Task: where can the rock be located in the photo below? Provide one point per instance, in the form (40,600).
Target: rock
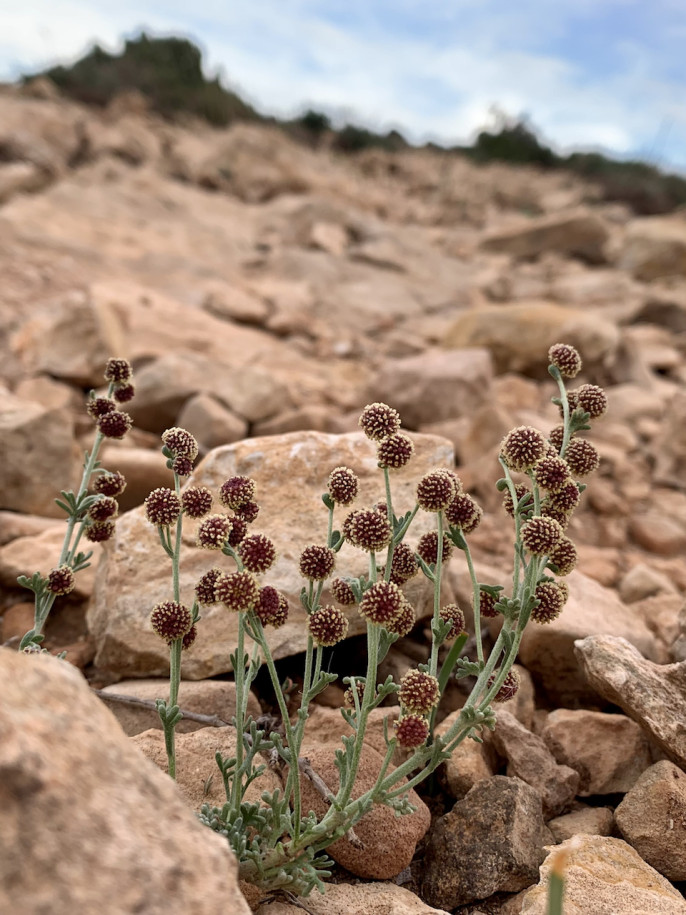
(651,694)
(40,553)
(652,818)
(231,302)
(655,248)
(389,841)
(206,697)
(211,422)
(36,455)
(528,758)
(291,473)
(435,386)
(643,581)
(197,774)
(16,622)
(308,418)
(470,763)
(658,534)
(611,874)
(13,525)
(518,335)
(548,651)
(593,821)
(21,178)
(670,445)
(54,395)
(329,237)
(489,842)
(65,763)
(325,726)
(582,234)
(359,899)
(608,751)
(143,469)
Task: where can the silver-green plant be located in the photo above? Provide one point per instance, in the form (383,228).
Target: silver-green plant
(278,844)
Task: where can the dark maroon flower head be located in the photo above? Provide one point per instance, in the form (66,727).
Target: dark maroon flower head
(556,437)
(204,590)
(180,442)
(427,548)
(367,529)
(382,603)
(411,731)
(282,615)
(268,604)
(464,513)
(114,424)
(509,688)
(99,406)
(565,499)
(592,399)
(196,501)
(257,553)
(171,620)
(395,451)
(404,566)
(419,692)
(342,592)
(188,639)
(521,489)
(435,491)
(110,483)
(552,472)
(317,562)
(60,581)
(565,358)
(403,624)
(100,531)
(248,511)
(540,535)
(522,448)
(487,604)
(343,485)
(238,591)
(118,370)
(239,528)
(327,626)
(551,599)
(213,532)
(182,465)
(123,393)
(378,421)
(452,614)
(349,695)
(104,509)
(237,491)
(563,556)
(162,506)
(582,457)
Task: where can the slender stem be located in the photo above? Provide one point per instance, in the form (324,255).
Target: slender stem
(476,603)
(433,662)
(449,662)
(390,516)
(174,678)
(372,567)
(329,530)
(239,678)
(565,411)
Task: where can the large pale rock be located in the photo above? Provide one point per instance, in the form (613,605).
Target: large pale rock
(548,651)
(490,842)
(608,751)
(40,553)
(211,422)
(651,694)
(36,455)
(116,836)
(143,470)
(360,899)
(291,472)
(605,876)
(436,385)
(470,762)
(594,821)
(518,336)
(580,233)
(652,818)
(655,248)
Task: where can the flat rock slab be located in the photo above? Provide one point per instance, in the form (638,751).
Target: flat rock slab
(291,472)
(361,899)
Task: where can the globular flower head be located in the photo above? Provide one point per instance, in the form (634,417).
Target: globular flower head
(464,513)
(509,687)
(213,532)
(522,490)
(551,601)
(419,692)
(248,511)
(382,603)
(435,491)
(170,620)
(180,442)
(60,581)
(378,421)
(548,510)
(342,592)
(343,485)
(427,548)
(238,591)
(452,614)
(99,406)
(123,393)
(114,424)
(349,695)
(582,457)
(327,626)
(267,606)
(367,529)
(591,399)
(188,639)
(239,529)
(182,465)
(522,448)
(539,535)
(395,451)
(487,602)
(282,614)
(104,509)
(317,562)
(237,491)
(204,590)
(118,370)
(100,531)
(403,624)
(162,506)
(563,556)
(196,501)
(564,590)
(565,499)
(565,358)
(403,565)
(257,553)
(411,731)
(556,437)
(110,483)
(552,472)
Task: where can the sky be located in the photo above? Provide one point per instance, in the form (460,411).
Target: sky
(608,74)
